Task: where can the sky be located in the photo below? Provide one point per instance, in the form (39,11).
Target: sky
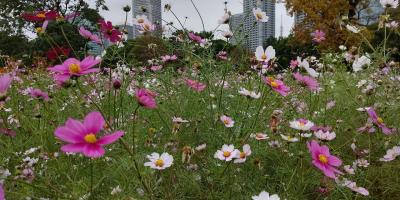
(211,11)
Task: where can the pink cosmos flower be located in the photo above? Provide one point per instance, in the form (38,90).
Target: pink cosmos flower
(223,55)
(227,153)
(73,67)
(378,121)
(318,36)
(243,154)
(294,64)
(40,16)
(156,68)
(227,121)
(196,85)
(109,32)
(147,27)
(323,160)
(196,38)
(5,82)
(368,127)
(82,137)
(146,98)
(167,58)
(277,85)
(2,196)
(88,35)
(38,94)
(307,81)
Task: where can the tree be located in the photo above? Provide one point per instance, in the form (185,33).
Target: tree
(326,16)
(11,10)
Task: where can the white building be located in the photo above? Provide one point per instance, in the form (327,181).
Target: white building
(150,8)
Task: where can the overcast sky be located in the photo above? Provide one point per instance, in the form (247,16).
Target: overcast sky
(211,11)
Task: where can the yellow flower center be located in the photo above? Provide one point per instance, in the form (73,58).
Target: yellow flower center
(323,158)
(140,21)
(242,155)
(39,30)
(74,68)
(41,15)
(259,16)
(159,163)
(301,124)
(90,138)
(226,121)
(227,154)
(380,120)
(274,84)
(263,56)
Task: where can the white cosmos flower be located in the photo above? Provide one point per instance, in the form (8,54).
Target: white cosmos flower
(227,153)
(227,34)
(259,136)
(265,56)
(360,62)
(159,162)
(301,124)
(265,196)
(306,135)
(289,138)
(140,19)
(179,120)
(248,93)
(224,19)
(304,63)
(260,15)
(325,135)
(391,154)
(390,3)
(352,28)
(243,154)
(228,122)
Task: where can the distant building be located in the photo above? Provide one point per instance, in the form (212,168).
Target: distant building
(150,8)
(299,17)
(235,24)
(258,32)
(371,14)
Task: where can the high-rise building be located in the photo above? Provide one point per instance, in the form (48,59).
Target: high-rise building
(258,32)
(299,17)
(371,13)
(236,26)
(150,8)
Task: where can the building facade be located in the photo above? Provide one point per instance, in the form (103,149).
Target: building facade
(236,26)
(150,8)
(258,32)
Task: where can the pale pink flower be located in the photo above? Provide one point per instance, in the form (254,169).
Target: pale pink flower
(159,162)
(307,81)
(146,98)
(196,85)
(277,85)
(227,121)
(243,154)
(227,153)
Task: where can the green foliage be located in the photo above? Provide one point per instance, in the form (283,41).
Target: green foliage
(14,45)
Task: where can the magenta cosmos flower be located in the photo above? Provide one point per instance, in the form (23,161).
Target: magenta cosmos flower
(378,121)
(5,82)
(73,67)
(323,160)
(2,192)
(146,98)
(196,85)
(318,36)
(307,81)
(84,137)
(109,32)
(196,38)
(38,94)
(277,85)
(89,35)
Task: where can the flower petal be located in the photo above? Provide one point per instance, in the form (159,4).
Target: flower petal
(93,150)
(94,122)
(108,139)
(76,148)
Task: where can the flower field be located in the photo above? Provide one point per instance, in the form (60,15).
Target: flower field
(193,123)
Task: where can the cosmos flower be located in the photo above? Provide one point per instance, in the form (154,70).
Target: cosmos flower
(146,98)
(289,138)
(109,32)
(5,82)
(196,85)
(301,124)
(147,27)
(73,67)
(306,65)
(159,162)
(259,136)
(2,196)
(227,153)
(224,19)
(227,121)
(360,62)
(196,38)
(227,34)
(323,160)
(265,56)
(243,154)
(88,35)
(352,28)
(251,94)
(277,85)
(223,55)
(391,154)
(325,135)
(53,53)
(265,196)
(140,19)
(378,121)
(318,36)
(352,186)
(260,15)
(83,137)
(390,3)
(307,81)
(294,64)
(38,94)
(179,120)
